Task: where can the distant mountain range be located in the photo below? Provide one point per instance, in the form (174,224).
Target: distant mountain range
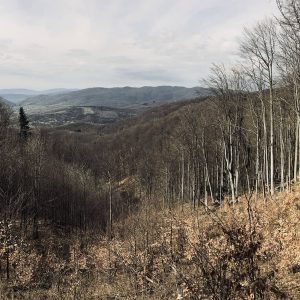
(19,95)
(125,97)
(95,105)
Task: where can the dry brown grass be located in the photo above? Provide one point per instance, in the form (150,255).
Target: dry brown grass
(158,254)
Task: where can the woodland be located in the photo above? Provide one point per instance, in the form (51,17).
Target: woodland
(197,199)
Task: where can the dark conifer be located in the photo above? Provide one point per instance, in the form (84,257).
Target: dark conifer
(24,124)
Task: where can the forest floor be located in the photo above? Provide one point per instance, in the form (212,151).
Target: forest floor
(183,253)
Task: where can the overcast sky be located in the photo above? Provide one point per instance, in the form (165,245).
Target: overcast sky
(85,43)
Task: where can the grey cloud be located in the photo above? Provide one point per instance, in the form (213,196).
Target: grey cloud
(151,75)
(81,43)
(5,43)
(78,53)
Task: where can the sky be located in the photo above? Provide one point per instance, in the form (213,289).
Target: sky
(87,43)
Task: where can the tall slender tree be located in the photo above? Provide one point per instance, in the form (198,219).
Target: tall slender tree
(259,45)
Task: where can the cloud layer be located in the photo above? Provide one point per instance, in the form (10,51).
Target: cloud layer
(85,43)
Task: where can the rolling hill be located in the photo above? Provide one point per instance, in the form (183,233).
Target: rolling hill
(104,105)
(126,97)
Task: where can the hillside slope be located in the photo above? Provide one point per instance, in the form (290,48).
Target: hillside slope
(186,249)
(182,253)
(3,100)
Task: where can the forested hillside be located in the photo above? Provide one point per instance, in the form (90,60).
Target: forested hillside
(125,97)
(190,200)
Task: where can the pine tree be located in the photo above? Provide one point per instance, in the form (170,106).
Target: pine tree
(24,124)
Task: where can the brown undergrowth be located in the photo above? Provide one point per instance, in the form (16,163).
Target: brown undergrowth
(250,250)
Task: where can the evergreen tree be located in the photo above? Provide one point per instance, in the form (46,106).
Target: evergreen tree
(24,124)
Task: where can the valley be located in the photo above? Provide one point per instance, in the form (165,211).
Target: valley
(99,105)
